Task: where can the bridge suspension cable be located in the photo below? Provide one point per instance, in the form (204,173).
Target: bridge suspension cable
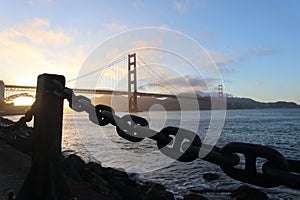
(117,74)
(148,68)
(97,70)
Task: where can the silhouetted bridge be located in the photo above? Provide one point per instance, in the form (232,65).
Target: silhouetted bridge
(112,77)
(14,91)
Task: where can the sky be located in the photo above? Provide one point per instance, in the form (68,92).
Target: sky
(255,44)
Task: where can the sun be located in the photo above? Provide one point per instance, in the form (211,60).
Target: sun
(23,101)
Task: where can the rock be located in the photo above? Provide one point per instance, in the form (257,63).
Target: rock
(93,171)
(106,191)
(119,173)
(111,183)
(96,167)
(127,188)
(211,176)
(82,192)
(90,181)
(158,192)
(93,178)
(245,192)
(194,197)
(73,167)
(19,138)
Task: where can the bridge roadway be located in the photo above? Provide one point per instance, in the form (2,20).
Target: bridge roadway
(108,92)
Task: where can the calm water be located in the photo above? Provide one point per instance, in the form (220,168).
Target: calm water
(277,128)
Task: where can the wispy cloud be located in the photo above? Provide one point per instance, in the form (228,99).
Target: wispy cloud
(30,48)
(115,27)
(185,5)
(37,31)
(221,59)
(180,84)
(259,50)
(225,60)
(165,80)
(180,7)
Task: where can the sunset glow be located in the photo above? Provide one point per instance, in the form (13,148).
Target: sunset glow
(23,101)
(253,48)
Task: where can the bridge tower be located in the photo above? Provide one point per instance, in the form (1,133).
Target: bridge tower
(220,91)
(132,83)
(2,92)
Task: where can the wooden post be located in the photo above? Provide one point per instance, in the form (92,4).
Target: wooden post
(45,179)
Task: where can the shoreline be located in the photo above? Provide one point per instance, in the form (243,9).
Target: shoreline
(3,115)
(84,178)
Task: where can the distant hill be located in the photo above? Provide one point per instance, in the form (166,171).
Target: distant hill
(120,103)
(247,103)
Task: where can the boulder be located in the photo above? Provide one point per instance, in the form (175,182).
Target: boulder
(73,167)
(158,192)
(211,176)
(194,197)
(245,192)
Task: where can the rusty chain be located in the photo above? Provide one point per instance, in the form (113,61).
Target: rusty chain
(184,145)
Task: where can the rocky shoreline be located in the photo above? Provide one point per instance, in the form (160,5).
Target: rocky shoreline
(93,181)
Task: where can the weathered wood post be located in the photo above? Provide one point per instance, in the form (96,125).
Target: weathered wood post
(45,179)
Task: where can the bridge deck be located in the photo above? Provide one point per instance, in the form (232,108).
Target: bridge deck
(109,92)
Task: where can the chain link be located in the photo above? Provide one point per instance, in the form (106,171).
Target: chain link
(251,153)
(105,115)
(174,149)
(289,177)
(126,129)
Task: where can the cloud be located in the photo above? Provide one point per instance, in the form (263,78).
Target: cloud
(221,59)
(225,60)
(38,32)
(113,54)
(115,27)
(180,84)
(208,80)
(30,49)
(147,44)
(183,6)
(259,50)
(180,7)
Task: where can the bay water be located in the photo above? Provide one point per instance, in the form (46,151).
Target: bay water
(276,128)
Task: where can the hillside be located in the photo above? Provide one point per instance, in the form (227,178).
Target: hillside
(120,103)
(247,103)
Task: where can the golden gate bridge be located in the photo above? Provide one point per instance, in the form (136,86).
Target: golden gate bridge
(112,80)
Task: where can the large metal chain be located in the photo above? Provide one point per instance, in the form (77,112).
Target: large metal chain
(184,145)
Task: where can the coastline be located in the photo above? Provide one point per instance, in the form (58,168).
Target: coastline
(86,180)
